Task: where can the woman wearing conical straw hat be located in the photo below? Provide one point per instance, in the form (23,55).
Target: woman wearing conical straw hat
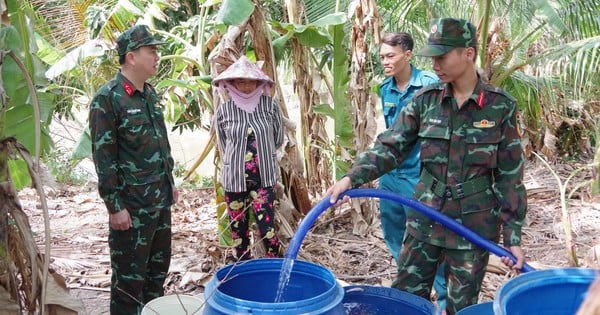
(249,132)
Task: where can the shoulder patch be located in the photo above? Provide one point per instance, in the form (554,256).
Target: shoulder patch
(519,124)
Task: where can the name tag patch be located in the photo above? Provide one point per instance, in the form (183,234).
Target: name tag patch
(134,111)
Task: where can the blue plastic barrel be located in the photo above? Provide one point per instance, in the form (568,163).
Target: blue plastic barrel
(374,300)
(485,308)
(250,287)
(549,292)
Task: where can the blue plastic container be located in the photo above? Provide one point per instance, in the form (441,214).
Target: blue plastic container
(485,308)
(250,287)
(548,292)
(374,300)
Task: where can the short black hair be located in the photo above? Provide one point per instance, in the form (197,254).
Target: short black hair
(402,39)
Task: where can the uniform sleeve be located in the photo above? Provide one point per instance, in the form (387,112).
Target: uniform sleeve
(390,149)
(278,124)
(509,187)
(220,132)
(103,132)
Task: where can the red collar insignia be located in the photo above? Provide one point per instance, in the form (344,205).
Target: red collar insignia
(128,88)
(480,99)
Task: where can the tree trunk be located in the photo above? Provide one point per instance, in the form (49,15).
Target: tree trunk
(314,133)
(3,200)
(292,168)
(366,24)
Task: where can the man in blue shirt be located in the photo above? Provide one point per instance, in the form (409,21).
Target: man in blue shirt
(403,80)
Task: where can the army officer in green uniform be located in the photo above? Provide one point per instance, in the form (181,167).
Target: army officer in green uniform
(472,169)
(133,160)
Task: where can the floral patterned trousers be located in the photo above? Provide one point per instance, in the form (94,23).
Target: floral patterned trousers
(260,202)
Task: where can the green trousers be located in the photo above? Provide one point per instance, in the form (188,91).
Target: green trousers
(393,222)
(140,259)
(465,269)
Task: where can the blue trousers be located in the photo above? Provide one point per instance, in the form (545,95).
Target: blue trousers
(393,223)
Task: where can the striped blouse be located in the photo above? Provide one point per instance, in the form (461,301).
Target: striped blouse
(232,126)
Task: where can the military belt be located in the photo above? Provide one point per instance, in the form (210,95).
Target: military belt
(457,191)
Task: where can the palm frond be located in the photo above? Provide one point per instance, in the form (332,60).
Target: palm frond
(408,16)
(60,22)
(577,63)
(113,17)
(525,89)
(316,9)
(582,17)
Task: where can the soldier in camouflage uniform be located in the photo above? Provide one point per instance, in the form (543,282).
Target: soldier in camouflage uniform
(472,169)
(132,156)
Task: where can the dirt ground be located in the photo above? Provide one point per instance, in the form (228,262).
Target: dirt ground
(78,224)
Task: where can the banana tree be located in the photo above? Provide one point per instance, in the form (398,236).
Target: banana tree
(319,57)
(26,111)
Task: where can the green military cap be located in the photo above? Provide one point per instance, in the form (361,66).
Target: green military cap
(447,34)
(135,38)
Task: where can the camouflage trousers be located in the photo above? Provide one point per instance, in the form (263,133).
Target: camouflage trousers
(139,258)
(464,272)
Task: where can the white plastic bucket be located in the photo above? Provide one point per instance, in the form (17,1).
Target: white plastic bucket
(176,304)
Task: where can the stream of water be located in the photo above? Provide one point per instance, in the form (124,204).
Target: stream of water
(284,278)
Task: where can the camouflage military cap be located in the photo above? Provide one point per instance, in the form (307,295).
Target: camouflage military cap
(135,38)
(447,34)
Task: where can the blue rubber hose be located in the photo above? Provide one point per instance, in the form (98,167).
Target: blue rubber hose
(446,221)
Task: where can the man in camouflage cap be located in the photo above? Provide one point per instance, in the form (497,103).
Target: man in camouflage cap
(472,169)
(133,161)
(135,38)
